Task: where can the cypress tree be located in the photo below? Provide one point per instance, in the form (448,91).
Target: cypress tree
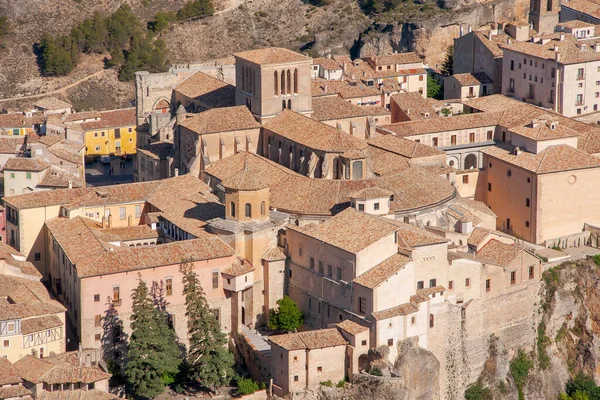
(209,361)
(447,67)
(154,357)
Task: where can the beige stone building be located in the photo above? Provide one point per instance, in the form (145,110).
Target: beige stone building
(26,175)
(155,161)
(559,72)
(467,86)
(273,79)
(303,360)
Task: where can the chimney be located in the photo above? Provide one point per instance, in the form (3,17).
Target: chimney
(557,56)
(103,222)
(508,41)
(129,220)
(329,55)
(325,87)
(344,66)
(176,171)
(70,184)
(518,151)
(562,36)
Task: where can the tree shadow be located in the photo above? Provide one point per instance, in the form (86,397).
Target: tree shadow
(114,345)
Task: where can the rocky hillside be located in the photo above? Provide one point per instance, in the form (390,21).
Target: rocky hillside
(426,26)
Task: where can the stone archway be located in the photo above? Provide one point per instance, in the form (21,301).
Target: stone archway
(363,362)
(162,106)
(470,162)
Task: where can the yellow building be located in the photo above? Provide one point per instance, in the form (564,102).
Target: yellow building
(19,124)
(109,132)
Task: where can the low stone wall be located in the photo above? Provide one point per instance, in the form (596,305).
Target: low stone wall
(255,361)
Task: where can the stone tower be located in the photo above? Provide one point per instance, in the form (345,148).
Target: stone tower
(543,14)
(246,197)
(269,80)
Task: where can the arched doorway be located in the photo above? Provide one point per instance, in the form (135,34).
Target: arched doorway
(363,362)
(470,161)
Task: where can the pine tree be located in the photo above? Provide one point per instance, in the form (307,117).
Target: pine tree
(153,354)
(209,360)
(448,64)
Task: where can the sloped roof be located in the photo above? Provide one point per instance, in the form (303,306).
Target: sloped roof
(382,271)
(239,268)
(112,119)
(221,120)
(245,180)
(311,133)
(210,91)
(8,373)
(352,327)
(58,369)
(404,147)
(371,193)
(158,150)
(331,108)
(25,164)
(51,103)
(274,254)
(473,79)
(272,55)
(310,340)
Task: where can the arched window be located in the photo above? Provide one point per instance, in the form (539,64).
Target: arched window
(232,209)
(282,82)
(296,80)
(275,78)
(248,209)
(282,104)
(289,82)
(357,170)
(289,106)
(263,208)
(431,321)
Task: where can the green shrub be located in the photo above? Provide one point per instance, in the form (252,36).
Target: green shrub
(596,259)
(543,342)
(287,316)
(425,7)
(246,386)
(520,366)
(327,383)
(196,9)
(341,383)
(375,371)
(478,392)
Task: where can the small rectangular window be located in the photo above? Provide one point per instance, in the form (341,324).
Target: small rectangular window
(6,343)
(420,285)
(97,337)
(321,267)
(468,282)
(526,202)
(376,206)
(329,270)
(531,272)
(465,179)
(489,187)
(488,285)
(526,224)
(295,378)
(432,283)
(169,286)
(361,207)
(363,343)
(339,273)
(122,213)
(28,175)
(215,279)
(319,369)
(138,210)
(513,277)
(97,320)
(390,342)
(37,256)
(96,298)
(450,285)
(362,304)
(312,263)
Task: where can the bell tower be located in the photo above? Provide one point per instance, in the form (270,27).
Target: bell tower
(246,197)
(543,15)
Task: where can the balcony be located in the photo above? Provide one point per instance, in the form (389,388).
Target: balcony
(117,303)
(510,90)
(579,102)
(580,77)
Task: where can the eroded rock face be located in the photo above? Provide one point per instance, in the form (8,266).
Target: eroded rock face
(419,369)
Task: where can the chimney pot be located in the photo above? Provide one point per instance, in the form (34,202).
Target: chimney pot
(176,171)
(70,184)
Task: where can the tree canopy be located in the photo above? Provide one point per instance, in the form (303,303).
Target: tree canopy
(287,317)
(434,89)
(447,67)
(209,361)
(153,355)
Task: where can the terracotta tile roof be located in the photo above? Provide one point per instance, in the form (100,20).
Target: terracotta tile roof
(100,258)
(415,105)
(401,310)
(25,164)
(552,159)
(431,290)
(79,394)
(128,233)
(116,194)
(8,373)
(221,120)
(10,392)
(460,255)
(245,180)
(24,291)
(272,55)
(382,271)
(496,252)
(82,116)
(589,7)
(477,78)
(311,133)
(331,108)
(11,145)
(462,214)
(352,327)
(327,63)
(492,43)
(20,311)
(112,119)
(404,147)
(345,89)
(570,49)
(371,193)
(410,235)
(294,193)
(350,230)
(445,124)
(383,162)
(56,178)
(397,58)
(274,254)
(158,150)
(479,234)
(418,298)
(20,120)
(51,103)
(211,92)
(32,325)
(309,340)
(47,140)
(239,268)
(58,369)
(541,129)
(374,111)
(577,24)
